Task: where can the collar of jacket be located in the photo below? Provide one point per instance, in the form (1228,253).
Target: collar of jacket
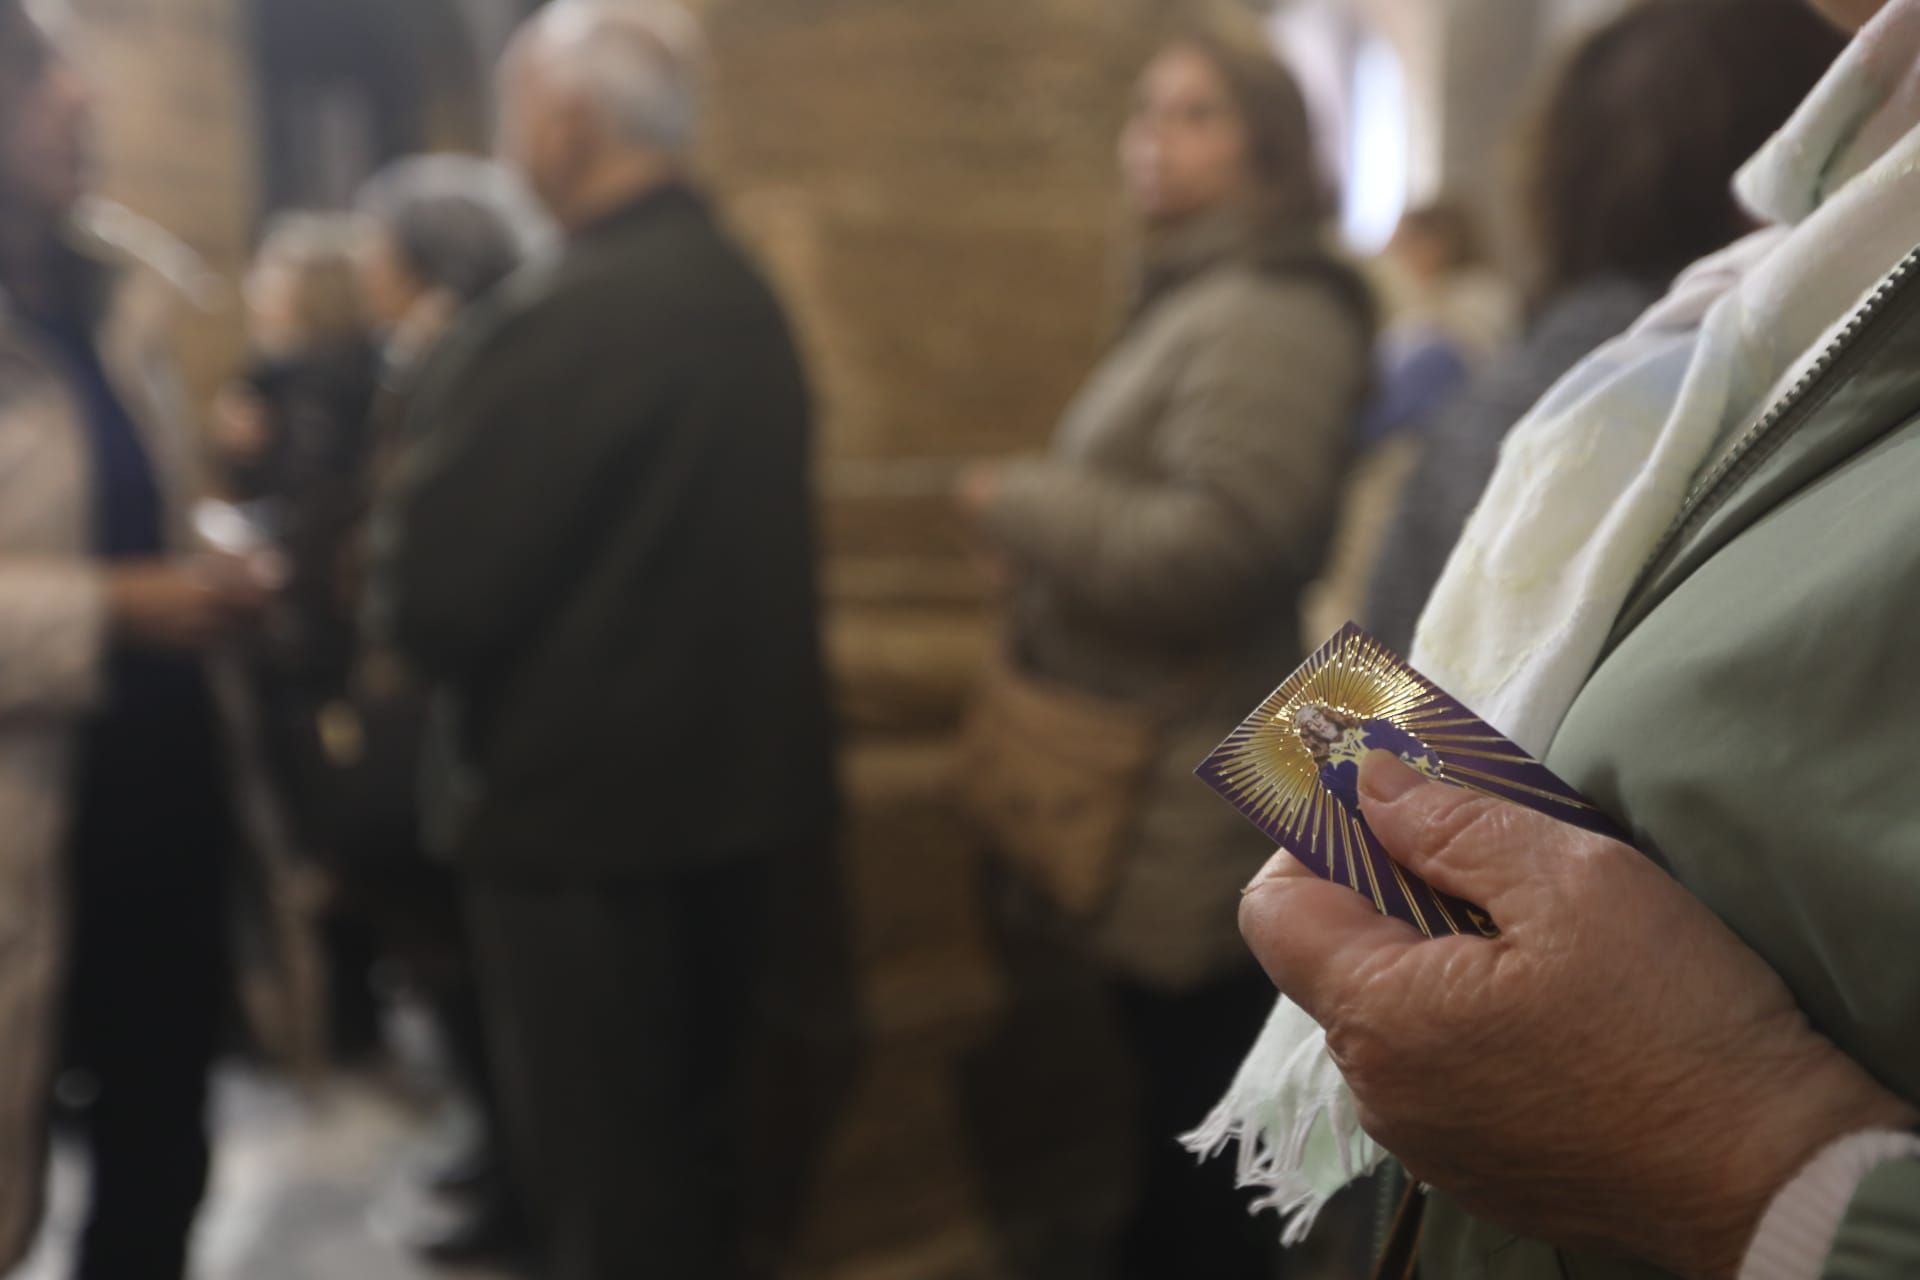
(1179,255)
(668,197)
(418,332)
(1837,418)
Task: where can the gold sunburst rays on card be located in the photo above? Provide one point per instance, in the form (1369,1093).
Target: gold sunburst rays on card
(1269,773)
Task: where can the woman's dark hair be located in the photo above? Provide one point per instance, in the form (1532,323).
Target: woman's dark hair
(1630,166)
(460,224)
(1271,107)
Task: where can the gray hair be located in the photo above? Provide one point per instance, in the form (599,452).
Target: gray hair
(460,224)
(642,62)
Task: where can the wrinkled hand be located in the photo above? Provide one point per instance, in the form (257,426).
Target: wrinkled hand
(1616,1072)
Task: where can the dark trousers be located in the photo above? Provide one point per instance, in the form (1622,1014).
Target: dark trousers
(1049,1098)
(411,907)
(619,1015)
(145,1006)
(1076,1104)
(1190,1219)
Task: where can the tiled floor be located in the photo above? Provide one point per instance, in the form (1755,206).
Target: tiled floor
(305,1188)
(321,1188)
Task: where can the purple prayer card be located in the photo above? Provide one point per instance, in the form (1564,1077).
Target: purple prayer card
(1293,768)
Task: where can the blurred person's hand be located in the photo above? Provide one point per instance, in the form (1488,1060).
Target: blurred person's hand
(185,604)
(975,493)
(240,430)
(1616,1071)
(977,490)
(249,579)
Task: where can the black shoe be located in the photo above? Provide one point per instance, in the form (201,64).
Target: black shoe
(493,1234)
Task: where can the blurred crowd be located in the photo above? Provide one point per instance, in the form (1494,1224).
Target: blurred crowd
(470,650)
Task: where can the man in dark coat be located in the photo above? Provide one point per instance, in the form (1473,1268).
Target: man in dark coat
(603,552)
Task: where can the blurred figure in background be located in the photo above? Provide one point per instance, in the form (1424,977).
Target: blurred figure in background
(291,434)
(1623,186)
(439,232)
(602,548)
(1448,312)
(1155,561)
(119,821)
(303,402)
(437,235)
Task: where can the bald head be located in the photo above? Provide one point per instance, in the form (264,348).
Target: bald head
(599,95)
(638,62)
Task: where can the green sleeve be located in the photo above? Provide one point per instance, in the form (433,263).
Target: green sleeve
(1880,1236)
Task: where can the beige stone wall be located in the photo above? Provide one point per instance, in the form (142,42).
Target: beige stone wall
(176,104)
(931,183)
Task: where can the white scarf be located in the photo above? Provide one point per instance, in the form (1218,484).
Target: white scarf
(1587,484)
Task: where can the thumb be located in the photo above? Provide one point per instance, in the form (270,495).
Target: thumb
(1469,845)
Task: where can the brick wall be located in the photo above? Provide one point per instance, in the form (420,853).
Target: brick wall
(176,110)
(931,183)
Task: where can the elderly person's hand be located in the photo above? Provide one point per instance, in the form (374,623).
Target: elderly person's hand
(1616,1072)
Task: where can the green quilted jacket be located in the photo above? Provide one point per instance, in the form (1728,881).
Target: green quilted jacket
(1754,723)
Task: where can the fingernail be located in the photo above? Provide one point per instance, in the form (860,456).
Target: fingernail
(1265,873)
(1385,777)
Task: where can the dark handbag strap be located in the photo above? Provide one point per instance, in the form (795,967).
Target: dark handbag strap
(1400,1259)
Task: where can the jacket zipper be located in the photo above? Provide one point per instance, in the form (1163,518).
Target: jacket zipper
(1713,489)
